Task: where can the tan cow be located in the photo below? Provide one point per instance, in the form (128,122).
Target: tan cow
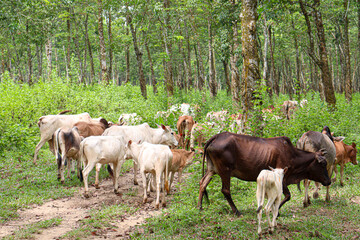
(50,123)
(197,136)
(181,159)
(344,154)
(87,129)
(184,126)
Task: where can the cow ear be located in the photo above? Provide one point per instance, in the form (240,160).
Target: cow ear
(129,143)
(163,127)
(271,168)
(285,169)
(75,129)
(353,145)
(139,142)
(338,139)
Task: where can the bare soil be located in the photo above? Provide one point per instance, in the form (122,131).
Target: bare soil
(73,209)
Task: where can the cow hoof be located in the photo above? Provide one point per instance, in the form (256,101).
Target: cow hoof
(164,204)
(62,181)
(316,195)
(237,213)
(145,200)
(342,184)
(136,182)
(157,205)
(97,186)
(117,192)
(86,195)
(333,180)
(306,204)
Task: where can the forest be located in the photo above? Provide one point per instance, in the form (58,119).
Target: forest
(109,58)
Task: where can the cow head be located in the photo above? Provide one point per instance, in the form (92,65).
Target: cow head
(317,170)
(168,136)
(128,151)
(352,153)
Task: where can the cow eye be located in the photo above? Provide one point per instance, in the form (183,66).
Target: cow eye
(172,133)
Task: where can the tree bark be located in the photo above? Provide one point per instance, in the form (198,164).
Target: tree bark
(212,76)
(297,59)
(323,63)
(88,45)
(274,78)
(127,59)
(138,54)
(30,82)
(104,73)
(347,72)
(188,57)
(110,74)
(153,78)
(250,72)
(48,49)
(227,77)
(68,53)
(169,72)
(77,50)
(17,62)
(235,75)
(266,72)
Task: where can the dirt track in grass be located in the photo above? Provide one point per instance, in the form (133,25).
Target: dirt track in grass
(73,209)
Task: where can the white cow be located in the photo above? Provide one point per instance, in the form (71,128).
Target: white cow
(269,185)
(155,159)
(143,133)
(103,150)
(50,123)
(67,144)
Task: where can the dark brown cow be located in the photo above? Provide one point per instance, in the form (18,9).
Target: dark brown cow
(184,126)
(241,156)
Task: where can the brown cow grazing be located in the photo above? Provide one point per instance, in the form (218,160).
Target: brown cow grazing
(314,141)
(344,154)
(241,156)
(181,159)
(197,136)
(67,146)
(184,126)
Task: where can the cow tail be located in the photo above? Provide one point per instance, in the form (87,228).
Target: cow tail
(57,148)
(262,196)
(82,160)
(205,153)
(166,177)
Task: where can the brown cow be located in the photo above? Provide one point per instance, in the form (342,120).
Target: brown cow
(344,154)
(184,126)
(87,129)
(181,159)
(242,156)
(197,135)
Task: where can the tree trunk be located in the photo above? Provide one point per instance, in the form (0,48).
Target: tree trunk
(153,78)
(250,72)
(266,71)
(347,72)
(226,73)
(110,46)
(77,50)
(212,76)
(274,78)
(68,53)
(48,49)
(323,63)
(200,65)
(188,57)
(138,54)
(17,63)
(127,59)
(297,58)
(87,43)
(104,74)
(39,60)
(169,72)
(29,57)
(235,75)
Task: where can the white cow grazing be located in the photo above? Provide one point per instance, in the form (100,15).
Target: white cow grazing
(103,150)
(50,123)
(155,159)
(67,144)
(129,119)
(143,133)
(269,185)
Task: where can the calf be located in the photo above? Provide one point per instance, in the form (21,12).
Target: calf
(344,154)
(184,126)
(181,159)
(155,159)
(103,150)
(50,123)
(67,145)
(197,135)
(269,185)
(87,129)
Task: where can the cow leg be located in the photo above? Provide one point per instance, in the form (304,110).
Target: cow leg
(98,168)
(203,184)
(275,210)
(179,179)
(79,170)
(259,220)
(143,176)
(307,201)
(341,174)
(268,208)
(336,172)
(69,167)
(62,169)
(135,172)
(37,149)
(287,194)
(158,187)
(225,178)
(171,179)
(117,167)
(86,172)
(163,188)
(317,188)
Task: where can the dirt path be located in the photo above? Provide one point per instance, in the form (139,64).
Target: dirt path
(73,209)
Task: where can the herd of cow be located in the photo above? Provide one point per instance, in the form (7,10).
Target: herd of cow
(273,162)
